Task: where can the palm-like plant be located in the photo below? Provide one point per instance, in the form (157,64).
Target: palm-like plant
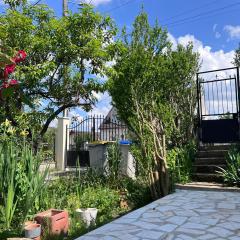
(231,174)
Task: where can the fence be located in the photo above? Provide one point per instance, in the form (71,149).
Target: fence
(95,128)
(218,105)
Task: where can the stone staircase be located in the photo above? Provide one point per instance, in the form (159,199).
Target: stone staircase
(208,160)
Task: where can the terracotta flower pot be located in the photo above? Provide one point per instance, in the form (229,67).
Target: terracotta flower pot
(87,215)
(28,223)
(54,221)
(19,239)
(33,231)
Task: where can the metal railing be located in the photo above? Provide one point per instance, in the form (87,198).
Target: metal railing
(95,128)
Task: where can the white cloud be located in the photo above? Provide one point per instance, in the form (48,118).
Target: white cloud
(210,59)
(233,31)
(217,35)
(103,106)
(214,27)
(95,2)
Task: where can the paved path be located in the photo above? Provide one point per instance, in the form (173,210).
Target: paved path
(184,215)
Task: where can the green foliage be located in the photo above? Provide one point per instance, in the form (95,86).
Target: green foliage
(138,193)
(162,78)
(9,203)
(65,59)
(114,156)
(102,198)
(81,139)
(153,88)
(13,4)
(180,162)
(231,174)
(236,61)
(21,182)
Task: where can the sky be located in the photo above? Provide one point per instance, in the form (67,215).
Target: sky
(212,26)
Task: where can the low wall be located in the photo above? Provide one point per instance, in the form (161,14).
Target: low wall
(98,159)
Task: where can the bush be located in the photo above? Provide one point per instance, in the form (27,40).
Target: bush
(138,192)
(231,174)
(180,162)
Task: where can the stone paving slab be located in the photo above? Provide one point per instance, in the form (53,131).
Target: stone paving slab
(183,215)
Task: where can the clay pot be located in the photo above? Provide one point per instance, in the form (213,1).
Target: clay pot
(54,221)
(28,223)
(19,239)
(33,231)
(87,215)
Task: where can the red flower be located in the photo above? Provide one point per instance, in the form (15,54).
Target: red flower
(21,56)
(13,82)
(5,85)
(9,69)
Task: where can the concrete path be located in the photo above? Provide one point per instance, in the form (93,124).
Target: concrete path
(184,215)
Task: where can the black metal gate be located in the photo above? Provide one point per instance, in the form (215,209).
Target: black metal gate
(218,105)
(91,129)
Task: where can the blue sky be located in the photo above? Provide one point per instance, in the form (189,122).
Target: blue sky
(212,25)
(207,20)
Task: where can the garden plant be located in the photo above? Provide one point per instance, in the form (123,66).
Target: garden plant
(153,88)
(49,64)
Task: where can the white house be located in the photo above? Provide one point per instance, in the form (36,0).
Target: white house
(112,128)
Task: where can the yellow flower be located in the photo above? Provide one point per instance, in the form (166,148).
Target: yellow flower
(7,123)
(24,133)
(11,130)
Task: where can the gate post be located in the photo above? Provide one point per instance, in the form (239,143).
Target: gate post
(62,139)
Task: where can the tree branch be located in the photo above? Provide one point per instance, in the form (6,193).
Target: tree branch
(58,111)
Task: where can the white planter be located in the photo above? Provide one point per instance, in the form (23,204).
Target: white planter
(87,215)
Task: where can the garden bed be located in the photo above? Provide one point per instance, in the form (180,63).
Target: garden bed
(88,190)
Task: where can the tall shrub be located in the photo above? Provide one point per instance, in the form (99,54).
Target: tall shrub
(153,88)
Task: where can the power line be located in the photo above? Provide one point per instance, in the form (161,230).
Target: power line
(199,18)
(183,20)
(111,9)
(120,6)
(191,10)
(36,3)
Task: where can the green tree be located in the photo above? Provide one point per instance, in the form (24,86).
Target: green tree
(66,58)
(237,57)
(153,89)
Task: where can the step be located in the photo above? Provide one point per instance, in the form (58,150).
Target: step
(208,168)
(210,160)
(207,177)
(225,147)
(207,186)
(212,153)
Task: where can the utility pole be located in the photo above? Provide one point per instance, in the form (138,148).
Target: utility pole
(65,10)
(65,7)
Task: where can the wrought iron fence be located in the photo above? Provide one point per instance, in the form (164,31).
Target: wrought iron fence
(218,93)
(95,128)
(218,105)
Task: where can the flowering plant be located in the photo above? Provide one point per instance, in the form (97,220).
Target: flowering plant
(8,66)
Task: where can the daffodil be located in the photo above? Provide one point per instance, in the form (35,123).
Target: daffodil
(7,123)
(11,130)
(24,133)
